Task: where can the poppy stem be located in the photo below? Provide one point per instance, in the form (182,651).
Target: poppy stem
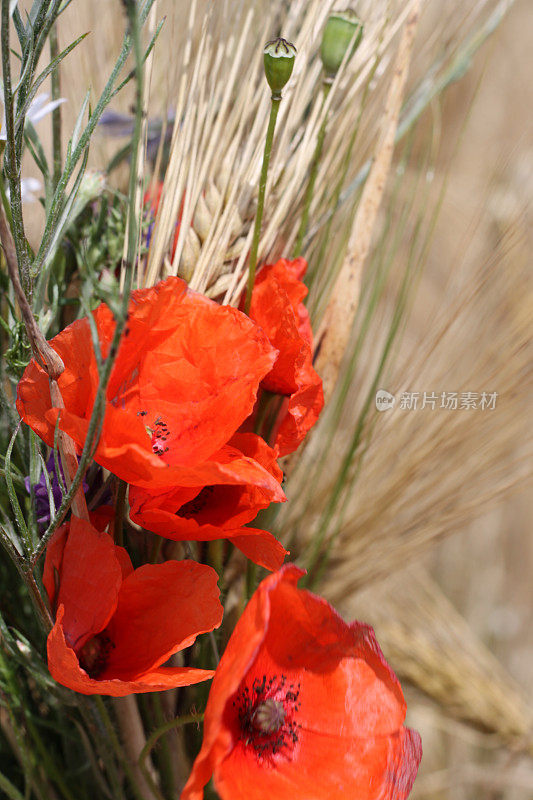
(251,579)
(275,100)
(326,86)
(45,355)
(38,601)
(178,722)
(69,460)
(55,82)
(166,760)
(140,789)
(120,510)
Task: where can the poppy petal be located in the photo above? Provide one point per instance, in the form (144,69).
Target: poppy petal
(301,411)
(277,306)
(53,561)
(161,609)
(246,483)
(261,547)
(246,640)
(33,390)
(341,732)
(65,669)
(183,357)
(309,642)
(322,766)
(89,582)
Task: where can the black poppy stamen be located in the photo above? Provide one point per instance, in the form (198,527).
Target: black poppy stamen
(197,504)
(267,715)
(94,654)
(159,434)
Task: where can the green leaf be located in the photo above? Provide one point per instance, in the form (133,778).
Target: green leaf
(21,113)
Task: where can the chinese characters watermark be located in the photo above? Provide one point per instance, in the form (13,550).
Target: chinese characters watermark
(449,401)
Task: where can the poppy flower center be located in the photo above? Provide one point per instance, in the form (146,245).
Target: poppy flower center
(266,715)
(94,654)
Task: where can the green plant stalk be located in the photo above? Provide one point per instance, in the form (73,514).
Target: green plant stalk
(120,509)
(73,156)
(345,167)
(251,580)
(415,265)
(47,761)
(10,790)
(14,703)
(168,726)
(326,88)
(96,421)
(56,113)
(117,747)
(13,499)
(5,201)
(377,289)
(275,100)
(88,708)
(133,222)
(12,166)
(116,791)
(165,760)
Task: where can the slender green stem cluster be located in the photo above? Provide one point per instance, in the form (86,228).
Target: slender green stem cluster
(312,175)
(340,39)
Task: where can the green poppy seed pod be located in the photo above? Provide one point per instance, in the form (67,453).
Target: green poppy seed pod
(342,28)
(279,62)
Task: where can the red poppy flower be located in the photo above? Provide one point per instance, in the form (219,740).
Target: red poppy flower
(278,308)
(219,510)
(303,705)
(185,378)
(115,626)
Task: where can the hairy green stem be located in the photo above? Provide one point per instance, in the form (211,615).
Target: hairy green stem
(326,87)
(274,108)
(344,169)
(56,113)
(58,201)
(133,222)
(165,762)
(120,509)
(168,726)
(37,600)
(117,748)
(12,164)
(10,789)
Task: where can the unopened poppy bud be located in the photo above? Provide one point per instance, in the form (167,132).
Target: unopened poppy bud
(279,62)
(342,28)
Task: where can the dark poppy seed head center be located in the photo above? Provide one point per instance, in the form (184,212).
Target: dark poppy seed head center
(94,654)
(267,715)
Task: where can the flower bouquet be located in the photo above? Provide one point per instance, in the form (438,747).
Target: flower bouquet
(193,346)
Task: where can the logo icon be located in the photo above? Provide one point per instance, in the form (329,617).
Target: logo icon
(384,400)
